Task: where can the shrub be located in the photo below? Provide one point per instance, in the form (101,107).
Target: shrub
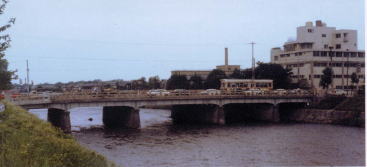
(28,141)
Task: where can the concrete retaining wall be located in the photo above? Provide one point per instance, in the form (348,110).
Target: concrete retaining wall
(351,118)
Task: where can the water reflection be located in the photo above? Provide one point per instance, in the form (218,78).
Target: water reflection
(159,143)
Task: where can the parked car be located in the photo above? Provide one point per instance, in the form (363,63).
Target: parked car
(338,92)
(158,92)
(179,92)
(254,92)
(280,91)
(210,92)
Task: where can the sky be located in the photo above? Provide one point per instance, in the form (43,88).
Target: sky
(69,40)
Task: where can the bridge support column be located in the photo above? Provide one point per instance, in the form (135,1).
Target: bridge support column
(220,116)
(121,117)
(275,113)
(202,114)
(59,118)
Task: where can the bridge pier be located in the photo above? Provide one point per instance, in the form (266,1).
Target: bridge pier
(202,114)
(121,117)
(269,113)
(275,113)
(59,118)
(252,112)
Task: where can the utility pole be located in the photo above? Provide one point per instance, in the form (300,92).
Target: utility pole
(253,60)
(331,54)
(28,88)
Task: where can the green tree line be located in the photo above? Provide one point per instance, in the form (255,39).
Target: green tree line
(275,72)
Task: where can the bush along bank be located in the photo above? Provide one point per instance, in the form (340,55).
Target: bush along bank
(25,140)
(332,110)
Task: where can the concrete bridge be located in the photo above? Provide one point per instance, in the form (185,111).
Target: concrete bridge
(122,110)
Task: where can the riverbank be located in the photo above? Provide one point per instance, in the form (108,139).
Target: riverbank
(25,140)
(331,110)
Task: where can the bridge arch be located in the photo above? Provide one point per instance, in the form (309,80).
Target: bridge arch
(245,112)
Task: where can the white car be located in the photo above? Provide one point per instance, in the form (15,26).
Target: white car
(339,92)
(253,92)
(210,92)
(280,91)
(179,92)
(158,92)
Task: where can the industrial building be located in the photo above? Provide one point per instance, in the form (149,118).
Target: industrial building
(228,69)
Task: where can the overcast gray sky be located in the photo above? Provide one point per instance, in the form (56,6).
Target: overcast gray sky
(72,40)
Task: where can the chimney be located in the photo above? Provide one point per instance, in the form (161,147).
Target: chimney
(226,56)
(318,23)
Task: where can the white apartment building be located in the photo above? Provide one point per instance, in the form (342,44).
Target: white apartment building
(317,47)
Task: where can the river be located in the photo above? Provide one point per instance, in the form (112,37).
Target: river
(160,143)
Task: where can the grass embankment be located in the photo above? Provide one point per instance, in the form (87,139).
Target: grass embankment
(27,141)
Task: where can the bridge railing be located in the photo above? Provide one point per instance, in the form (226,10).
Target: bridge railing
(30,99)
(140,95)
(86,96)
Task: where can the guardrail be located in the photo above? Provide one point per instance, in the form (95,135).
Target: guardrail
(141,95)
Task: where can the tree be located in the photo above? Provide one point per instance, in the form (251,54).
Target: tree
(354,79)
(196,82)
(177,82)
(139,84)
(303,84)
(247,73)
(237,74)
(5,75)
(154,82)
(275,72)
(326,78)
(213,79)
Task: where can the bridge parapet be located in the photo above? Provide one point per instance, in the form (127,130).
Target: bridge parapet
(141,98)
(144,96)
(29,100)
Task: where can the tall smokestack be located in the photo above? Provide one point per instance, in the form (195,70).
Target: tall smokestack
(226,56)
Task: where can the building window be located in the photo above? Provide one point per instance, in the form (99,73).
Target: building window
(336,64)
(346,54)
(310,30)
(317,76)
(338,54)
(360,54)
(326,46)
(323,54)
(298,54)
(320,64)
(323,35)
(338,46)
(353,54)
(345,34)
(337,35)
(339,87)
(316,53)
(337,76)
